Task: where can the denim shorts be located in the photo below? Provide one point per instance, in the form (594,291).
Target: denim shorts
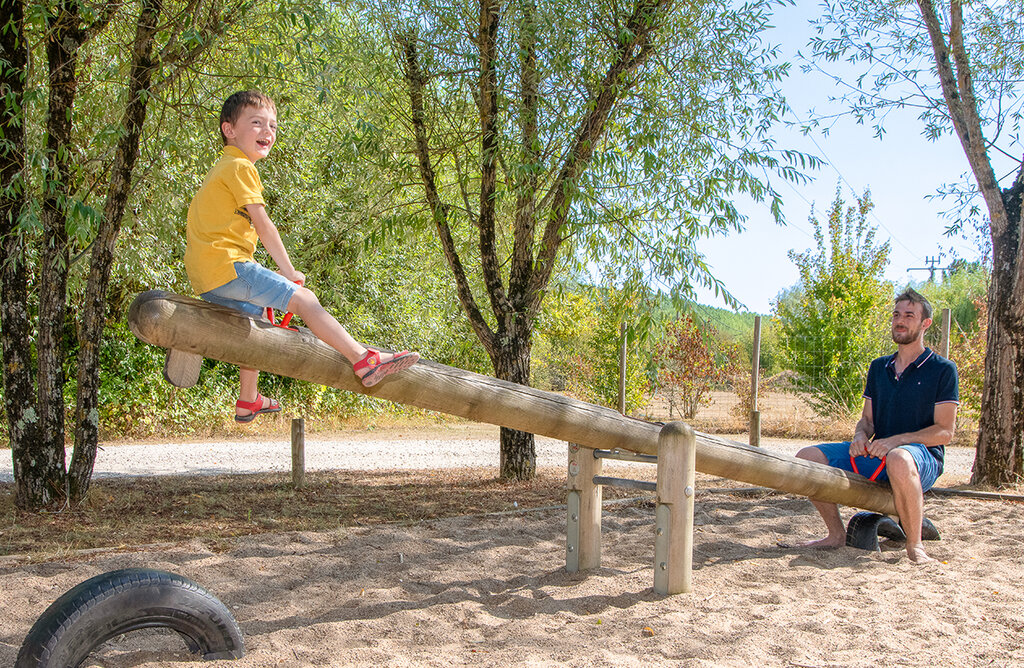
(253,291)
(928,468)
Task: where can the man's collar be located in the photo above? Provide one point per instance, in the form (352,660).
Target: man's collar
(921,359)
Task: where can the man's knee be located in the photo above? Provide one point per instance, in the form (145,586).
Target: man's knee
(812,453)
(901,467)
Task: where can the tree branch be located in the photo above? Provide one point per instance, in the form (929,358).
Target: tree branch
(438,209)
(633,46)
(487,102)
(526,178)
(958,90)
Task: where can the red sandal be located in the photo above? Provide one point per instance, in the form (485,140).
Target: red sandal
(255,408)
(378,369)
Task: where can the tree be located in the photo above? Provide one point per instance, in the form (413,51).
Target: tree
(688,367)
(577,133)
(59,204)
(961,67)
(829,329)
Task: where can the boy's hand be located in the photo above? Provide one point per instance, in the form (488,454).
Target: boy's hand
(294,276)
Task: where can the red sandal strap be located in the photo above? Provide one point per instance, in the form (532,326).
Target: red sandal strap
(369,361)
(256,405)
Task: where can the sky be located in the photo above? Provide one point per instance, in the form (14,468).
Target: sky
(901,170)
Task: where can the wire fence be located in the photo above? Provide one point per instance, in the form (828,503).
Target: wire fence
(819,400)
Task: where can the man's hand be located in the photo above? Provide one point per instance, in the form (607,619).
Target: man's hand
(859,445)
(880,447)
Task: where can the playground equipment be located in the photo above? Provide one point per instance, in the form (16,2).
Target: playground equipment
(122,601)
(190,326)
(191,329)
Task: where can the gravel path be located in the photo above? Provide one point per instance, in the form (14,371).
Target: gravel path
(393,448)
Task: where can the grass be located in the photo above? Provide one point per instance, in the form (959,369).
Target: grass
(129,513)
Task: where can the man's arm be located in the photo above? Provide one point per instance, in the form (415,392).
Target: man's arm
(864,431)
(271,239)
(939,433)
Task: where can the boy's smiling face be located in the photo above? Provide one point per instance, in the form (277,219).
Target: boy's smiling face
(254,132)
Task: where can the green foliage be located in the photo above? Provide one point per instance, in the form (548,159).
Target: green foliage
(577,347)
(831,324)
(963,290)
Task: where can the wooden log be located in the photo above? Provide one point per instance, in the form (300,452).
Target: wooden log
(182,323)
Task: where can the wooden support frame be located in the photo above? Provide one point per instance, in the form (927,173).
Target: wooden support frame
(583,517)
(673,540)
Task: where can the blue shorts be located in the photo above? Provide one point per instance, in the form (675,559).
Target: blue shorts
(253,291)
(928,468)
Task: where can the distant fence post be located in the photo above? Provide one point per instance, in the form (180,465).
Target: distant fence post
(622,368)
(755,415)
(946,322)
(298,452)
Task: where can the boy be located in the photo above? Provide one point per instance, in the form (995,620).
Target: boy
(226,219)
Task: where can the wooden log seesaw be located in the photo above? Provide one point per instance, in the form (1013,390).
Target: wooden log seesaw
(191,329)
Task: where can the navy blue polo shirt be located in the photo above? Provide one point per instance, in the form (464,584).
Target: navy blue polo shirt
(906,403)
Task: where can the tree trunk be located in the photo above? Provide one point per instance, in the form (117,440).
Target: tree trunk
(998,460)
(94,309)
(19,389)
(1000,450)
(511,361)
(48,479)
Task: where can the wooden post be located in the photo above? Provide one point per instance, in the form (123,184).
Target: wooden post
(183,323)
(583,527)
(946,322)
(622,368)
(673,541)
(755,415)
(298,452)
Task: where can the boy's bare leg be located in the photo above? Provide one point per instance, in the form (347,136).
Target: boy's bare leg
(906,493)
(829,512)
(248,380)
(306,305)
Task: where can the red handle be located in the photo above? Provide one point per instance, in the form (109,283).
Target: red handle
(874,475)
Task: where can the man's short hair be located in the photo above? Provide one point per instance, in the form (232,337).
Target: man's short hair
(914,297)
(233,106)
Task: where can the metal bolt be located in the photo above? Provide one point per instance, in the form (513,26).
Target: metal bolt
(571,549)
(688,491)
(663,566)
(661,532)
(574,517)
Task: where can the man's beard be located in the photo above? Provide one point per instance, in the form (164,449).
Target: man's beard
(906,336)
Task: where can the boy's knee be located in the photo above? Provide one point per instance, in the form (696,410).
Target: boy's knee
(303,299)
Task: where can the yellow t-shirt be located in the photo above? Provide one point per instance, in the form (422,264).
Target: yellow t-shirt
(219,231)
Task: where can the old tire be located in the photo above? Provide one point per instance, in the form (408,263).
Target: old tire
(127,600)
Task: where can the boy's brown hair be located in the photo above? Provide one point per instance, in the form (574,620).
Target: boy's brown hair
(233,106)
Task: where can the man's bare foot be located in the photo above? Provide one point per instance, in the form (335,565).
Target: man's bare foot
(826,543)
(917,555)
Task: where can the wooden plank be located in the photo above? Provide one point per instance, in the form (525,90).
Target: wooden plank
(182,323)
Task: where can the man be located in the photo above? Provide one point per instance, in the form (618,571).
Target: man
(910,402)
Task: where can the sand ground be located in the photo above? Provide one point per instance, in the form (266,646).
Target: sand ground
(492,591)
